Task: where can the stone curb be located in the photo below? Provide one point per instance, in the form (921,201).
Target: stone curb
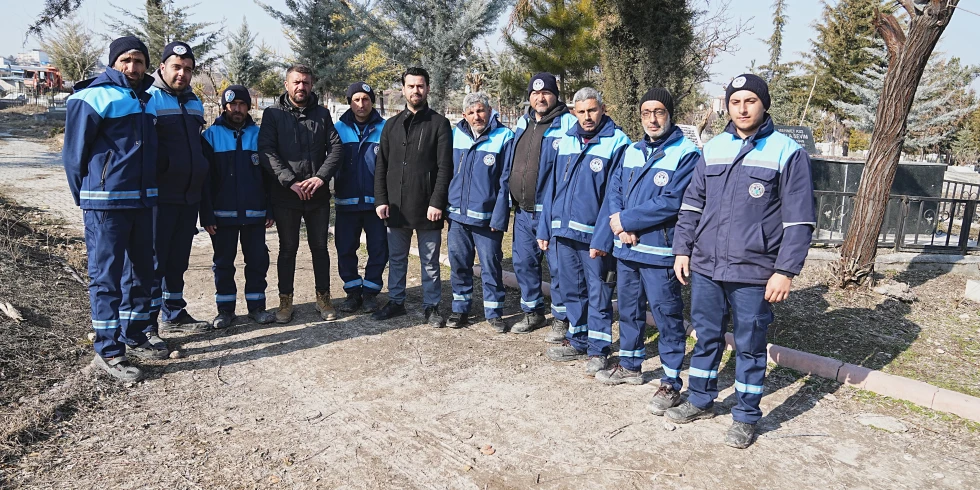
(918,392)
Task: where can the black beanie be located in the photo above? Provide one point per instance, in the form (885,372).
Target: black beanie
(359,87)
(751,83)
(124,45)
(543,81)
(180,49)
(661,95)
(236,92)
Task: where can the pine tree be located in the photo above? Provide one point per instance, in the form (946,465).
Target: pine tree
(559,37)
(244,67)
(73,49)
(434,34)
(324,36)
(774,69)
(161,23)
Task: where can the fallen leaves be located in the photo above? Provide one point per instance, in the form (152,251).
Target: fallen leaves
(9,310)
(487,450)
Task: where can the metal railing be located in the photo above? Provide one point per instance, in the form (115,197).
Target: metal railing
(911,223)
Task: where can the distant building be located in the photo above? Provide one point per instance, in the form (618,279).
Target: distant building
(34,57)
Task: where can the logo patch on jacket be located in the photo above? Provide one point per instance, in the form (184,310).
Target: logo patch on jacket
(489,160)
(757,190)
(376,149)
(554,144)
(661,178)
(255,158)
(596,165)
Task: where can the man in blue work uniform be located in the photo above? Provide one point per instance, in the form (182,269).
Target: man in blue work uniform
(234,206)
(642,202)
(110,161)
(479,208)
(360,131)
(742,235)
(588,154)
(181,170)
(535,149)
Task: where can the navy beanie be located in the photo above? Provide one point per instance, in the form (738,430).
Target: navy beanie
(543,81)
(359,87)
(178,48)
(661,95)
(236,92)
(753,84)
(124,45)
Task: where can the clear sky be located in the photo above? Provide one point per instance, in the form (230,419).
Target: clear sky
(959,40)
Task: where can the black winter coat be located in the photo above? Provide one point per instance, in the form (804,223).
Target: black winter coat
(296,144)
(414,167)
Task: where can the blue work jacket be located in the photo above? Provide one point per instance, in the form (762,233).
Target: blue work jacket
(478,191)
(237,189)
(353,184)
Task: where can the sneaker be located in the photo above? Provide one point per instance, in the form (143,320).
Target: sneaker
(262,317)
(619,375)
(686,413)
(564,353)
(370,303)
(434,318)
(596,364)
(389,310)
(740,435)
(285,311)
(146,350)
(530,322)
(351,304)
(558,330)
(497,324)
(223,320)
(325,307)
(184,323)
(457,320)
(119,368)
(665,398)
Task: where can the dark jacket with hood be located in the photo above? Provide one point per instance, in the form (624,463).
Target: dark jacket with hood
(296,144)
(535,152)
(181,167)
(237,188)
(414,167)
(110,150)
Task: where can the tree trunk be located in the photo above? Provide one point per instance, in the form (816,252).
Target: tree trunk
(907,58)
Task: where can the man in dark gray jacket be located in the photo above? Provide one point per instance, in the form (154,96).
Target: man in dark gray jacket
(299,145)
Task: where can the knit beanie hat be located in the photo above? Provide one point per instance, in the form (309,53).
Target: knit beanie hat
(543,81)
(124,45)
(753,84)
(178,48)
(359,87)
(661,95)
(236,92)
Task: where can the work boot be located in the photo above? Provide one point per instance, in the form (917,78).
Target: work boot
(119,368)
(389,310)
(564,353)
(285,311)
(458,320)
(224,319)
(352,303)
(370,303)
(558,330)
(686,413)
(184,322)
(619,375)
(497,324)
(261,317)
(596,364)
(146,350)
(325,307)
(433,317)
(740,435)
(665,398)
(530,322)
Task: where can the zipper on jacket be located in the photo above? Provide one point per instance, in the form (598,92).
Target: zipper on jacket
(187,135)
(105,167)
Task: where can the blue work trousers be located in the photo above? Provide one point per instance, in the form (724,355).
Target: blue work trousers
(465,242)
(347,237)
(587,296)
(256,254)
(174,227)
(527,256)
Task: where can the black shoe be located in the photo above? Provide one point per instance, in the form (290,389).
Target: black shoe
(530,322)
(370,303)
(389,310)
(433,317)
(351,304)
(740,435)
(184,323)
(497,324)
(458,320)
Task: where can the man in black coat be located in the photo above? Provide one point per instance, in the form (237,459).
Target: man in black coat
(411,189)
(300,147)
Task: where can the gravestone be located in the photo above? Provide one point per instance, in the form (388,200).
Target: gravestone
(802,135)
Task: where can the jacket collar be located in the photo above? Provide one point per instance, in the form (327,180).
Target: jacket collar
(767,128)
(349,119)
(287,105)
(111,76)
(664,141)
(221,121)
